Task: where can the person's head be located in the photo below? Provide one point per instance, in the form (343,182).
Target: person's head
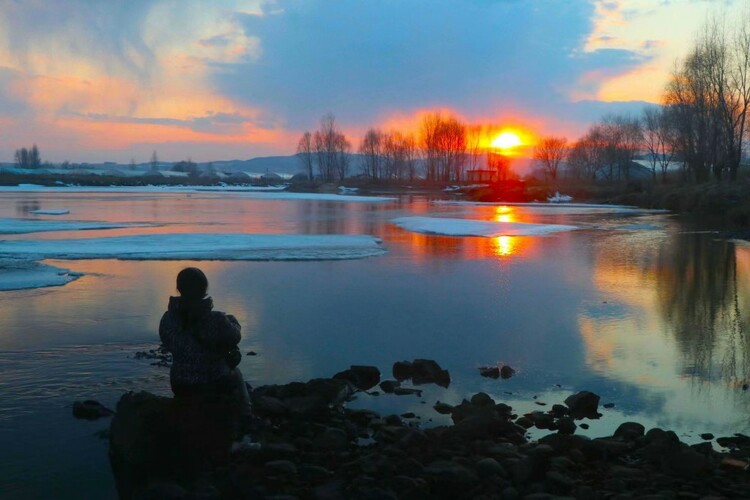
(192,283)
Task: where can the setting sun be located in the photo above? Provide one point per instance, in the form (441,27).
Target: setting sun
(506,140)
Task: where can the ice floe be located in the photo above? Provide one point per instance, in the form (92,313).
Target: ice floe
(320,196)
(23,226)
(465,227)
(23,274)
(196,246)
(260,192)
(51,211)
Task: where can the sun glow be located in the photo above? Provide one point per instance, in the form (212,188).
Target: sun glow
(506,140)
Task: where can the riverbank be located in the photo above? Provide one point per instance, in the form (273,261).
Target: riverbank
(305,443)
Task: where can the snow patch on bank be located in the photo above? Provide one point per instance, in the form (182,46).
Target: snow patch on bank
(465,227)
(23,274)
(195,246)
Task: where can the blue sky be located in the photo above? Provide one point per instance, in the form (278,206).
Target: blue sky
(114,80)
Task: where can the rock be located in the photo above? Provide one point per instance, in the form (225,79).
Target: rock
(406,391)
(90,410)
(489,371)
(525,422)
(583,404)
(427,371)
(543,420)
(623,472)
(559,482)
(630,431)
(559,410)
(282,466)
(489,467)
(362,377)
(707,436)
(608,405)
(482,399)
(388,386)
(450,473)
(584,426)
(408,414)
(331,439)
(153,438)
(507,372)
(443,408)
(314,473)
(566,425)
(686,463)
(403,370)
(252,353)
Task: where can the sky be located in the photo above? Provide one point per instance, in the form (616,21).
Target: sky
(111,80)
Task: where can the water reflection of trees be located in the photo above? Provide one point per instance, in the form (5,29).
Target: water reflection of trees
(702,296)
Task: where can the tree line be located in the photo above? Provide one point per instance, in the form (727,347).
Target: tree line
(443,150)
(702,122)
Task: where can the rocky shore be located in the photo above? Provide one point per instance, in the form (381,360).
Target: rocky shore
(303,442)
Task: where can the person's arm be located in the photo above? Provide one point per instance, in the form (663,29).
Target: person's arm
(228,331)
(164,333)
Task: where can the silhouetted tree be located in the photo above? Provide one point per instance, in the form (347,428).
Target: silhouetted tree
(305,154)
(372,150)
(154,163)
(550,152)
(28,158)
(331,150)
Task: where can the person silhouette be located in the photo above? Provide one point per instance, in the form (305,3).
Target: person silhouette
(203,343)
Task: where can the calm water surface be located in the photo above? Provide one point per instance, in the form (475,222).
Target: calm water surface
(650,314)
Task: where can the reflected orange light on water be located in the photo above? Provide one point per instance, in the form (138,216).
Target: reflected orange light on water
(505,246)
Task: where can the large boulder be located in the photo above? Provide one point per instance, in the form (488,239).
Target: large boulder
(155,439)
(421,371)
(583,404)
(361,377)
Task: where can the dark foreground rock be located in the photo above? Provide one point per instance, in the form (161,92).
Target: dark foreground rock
(308,445)
(91,410)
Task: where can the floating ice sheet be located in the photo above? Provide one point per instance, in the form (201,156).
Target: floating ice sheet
(51,211)
(195,246)
(465,227)
(22,274)
(260,192)
(23,226)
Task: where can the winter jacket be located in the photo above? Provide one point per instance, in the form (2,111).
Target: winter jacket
(198,351)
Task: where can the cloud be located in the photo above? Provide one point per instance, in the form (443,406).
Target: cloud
(121,75)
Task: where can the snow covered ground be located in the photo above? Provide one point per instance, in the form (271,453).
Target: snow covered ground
(195,246)
(465,227)
(23,274)
(23,226)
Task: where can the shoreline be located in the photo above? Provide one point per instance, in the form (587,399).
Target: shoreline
(304,443)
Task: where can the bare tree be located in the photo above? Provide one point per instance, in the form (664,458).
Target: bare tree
(28,158)
(659,139)
(332,150)
(305,153)
(342,156)
(709,94)
(372,150)
(550,152)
